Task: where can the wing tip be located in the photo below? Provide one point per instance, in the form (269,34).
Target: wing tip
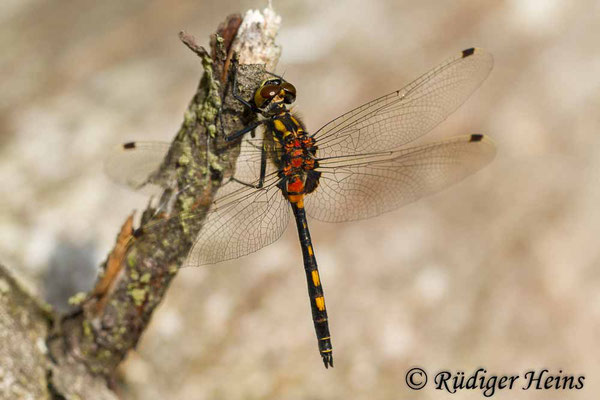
(484,140)
(481,138)
(476,137)
(128,145)
(468,52)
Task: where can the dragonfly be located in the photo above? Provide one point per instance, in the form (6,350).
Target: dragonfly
(359,165)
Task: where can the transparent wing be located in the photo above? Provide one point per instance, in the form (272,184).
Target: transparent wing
(242,218)
(241,222)
(363,186)
(248,164)
(406,114)
(131,164)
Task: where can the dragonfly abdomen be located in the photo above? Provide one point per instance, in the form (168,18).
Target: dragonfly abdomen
(315,289)
(298,178)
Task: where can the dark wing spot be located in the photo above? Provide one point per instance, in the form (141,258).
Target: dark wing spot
(129,145)
(468,52)
(476,137)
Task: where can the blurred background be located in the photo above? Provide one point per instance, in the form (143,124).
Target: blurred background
(500,271)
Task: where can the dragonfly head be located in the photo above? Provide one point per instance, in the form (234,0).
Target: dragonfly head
(273,96)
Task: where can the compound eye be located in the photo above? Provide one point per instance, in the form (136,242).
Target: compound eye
(269,91)
(290,92)
(264,94)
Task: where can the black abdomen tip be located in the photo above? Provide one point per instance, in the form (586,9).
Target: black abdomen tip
(129,145)
(327,360)
(477,137)
(468,52)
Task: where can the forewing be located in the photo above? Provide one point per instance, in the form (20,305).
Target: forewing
(406,114)
(356,187)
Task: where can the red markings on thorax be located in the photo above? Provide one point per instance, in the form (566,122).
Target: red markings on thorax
(298,161)
(299,151)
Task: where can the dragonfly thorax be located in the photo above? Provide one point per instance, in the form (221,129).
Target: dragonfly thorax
(297,161)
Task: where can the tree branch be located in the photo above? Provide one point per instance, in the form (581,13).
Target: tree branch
(138,271)
(23,329)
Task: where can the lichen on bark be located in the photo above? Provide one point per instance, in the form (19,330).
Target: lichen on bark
(75,356)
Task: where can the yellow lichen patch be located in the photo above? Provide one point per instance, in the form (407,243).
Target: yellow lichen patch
(315,278)
(320,303)
(138,296)
(146,277)
(77,299)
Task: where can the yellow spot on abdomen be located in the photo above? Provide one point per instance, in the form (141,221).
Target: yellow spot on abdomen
(315,277)
(310,252)
(320,303)
(298,199)
(279,125)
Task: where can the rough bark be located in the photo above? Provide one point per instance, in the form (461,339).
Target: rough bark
(43,355)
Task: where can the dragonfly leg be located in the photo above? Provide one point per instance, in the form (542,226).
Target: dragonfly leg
(257,186)
(238,97)
(263,169)
(243,131)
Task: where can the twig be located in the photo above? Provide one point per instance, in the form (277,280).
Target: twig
(190,42)
(138,271)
